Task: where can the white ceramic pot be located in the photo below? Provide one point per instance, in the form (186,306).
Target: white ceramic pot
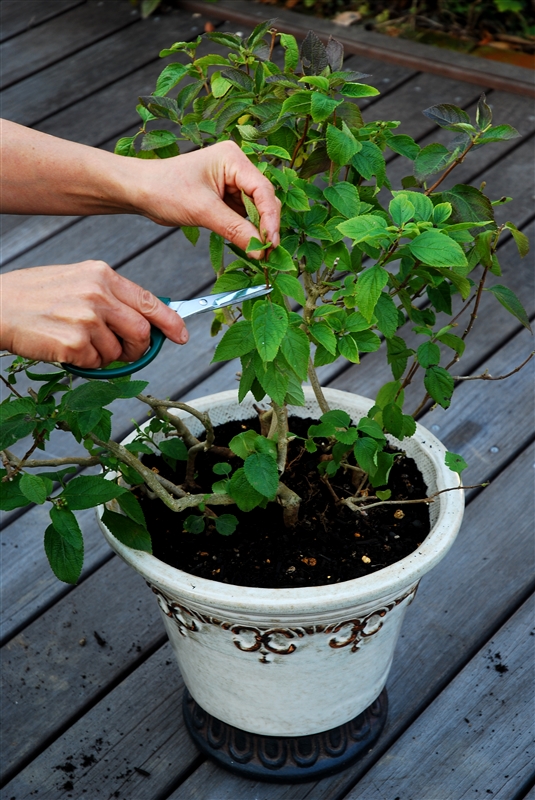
(291,662)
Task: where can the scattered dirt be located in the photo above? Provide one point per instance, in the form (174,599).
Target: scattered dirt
(329,544)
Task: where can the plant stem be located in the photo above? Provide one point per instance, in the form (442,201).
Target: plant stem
(455,163)
(281,413)
(300,142)
(318,391)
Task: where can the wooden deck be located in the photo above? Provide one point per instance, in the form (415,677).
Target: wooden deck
(91,703)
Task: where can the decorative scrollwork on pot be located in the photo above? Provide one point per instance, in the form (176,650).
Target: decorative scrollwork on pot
(270,642)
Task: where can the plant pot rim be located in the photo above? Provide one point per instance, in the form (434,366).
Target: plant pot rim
(329,597)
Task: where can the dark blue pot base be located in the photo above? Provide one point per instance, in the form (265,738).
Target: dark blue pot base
(285,759)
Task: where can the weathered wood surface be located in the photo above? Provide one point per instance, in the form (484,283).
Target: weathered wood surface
(415,55)
(477,735)
(17,17)
(81,736)
(60,37)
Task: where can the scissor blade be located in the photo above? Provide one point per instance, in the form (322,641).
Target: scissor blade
(211,302)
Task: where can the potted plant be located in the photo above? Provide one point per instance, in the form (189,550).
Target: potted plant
(279,486)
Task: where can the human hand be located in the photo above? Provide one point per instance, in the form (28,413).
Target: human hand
(204,188)
(74,313)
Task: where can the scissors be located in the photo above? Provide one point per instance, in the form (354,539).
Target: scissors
(186,308)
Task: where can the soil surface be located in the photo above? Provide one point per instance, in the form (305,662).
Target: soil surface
(330,543)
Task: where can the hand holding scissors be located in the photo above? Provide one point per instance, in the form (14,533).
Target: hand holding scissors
(185,308)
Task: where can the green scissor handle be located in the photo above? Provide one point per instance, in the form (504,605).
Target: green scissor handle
(157,339)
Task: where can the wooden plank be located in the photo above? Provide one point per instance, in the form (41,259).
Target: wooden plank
(477,736)
(60,37)
(49,677)
(435,60)
(56,87)
(454,614)
(17,17)
(132,744)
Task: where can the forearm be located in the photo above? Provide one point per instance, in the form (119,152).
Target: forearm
(45,175)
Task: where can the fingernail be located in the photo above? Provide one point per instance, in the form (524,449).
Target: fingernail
(184,336)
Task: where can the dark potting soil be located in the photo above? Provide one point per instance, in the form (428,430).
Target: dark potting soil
(329,544)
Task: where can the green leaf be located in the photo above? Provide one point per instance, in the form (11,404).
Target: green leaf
(404,145)
(401,210)
(409,426)
(244,444)
(385,462)
(274,377)
(155,139)
(366,341)
(217,248)
(455,462)
(226,524)
(237,341)
(521,240)
(336,417)
(469,204)
(87,491)
(436,249)
(290,286)
(348,348)
(363,228)
(371,428)
(270,323)
(66,524)
(431,159)
(323,334)
(365,450)
(11,496)
(174,448)
(386,495)
(131,507)
(65,560)
(455,342)
(393,420)
(169,77)
(341,144)
(291,51)
(369,162)
(428,354)
(441,213)
(369,287)
(194,523)
(280,259)
(125,146)
(296,199)
(14,429)
(298,104)
(499,133)
(510,301)
(447,116)
(439,385)
(252,211)
(262,473)
(296,350)
(387,315)
(322,107)
(397,355)
(358,90)
(127,531)
(483,112)
(34,488)
(244,495)
(93,394)
(344,197)
(12,407)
